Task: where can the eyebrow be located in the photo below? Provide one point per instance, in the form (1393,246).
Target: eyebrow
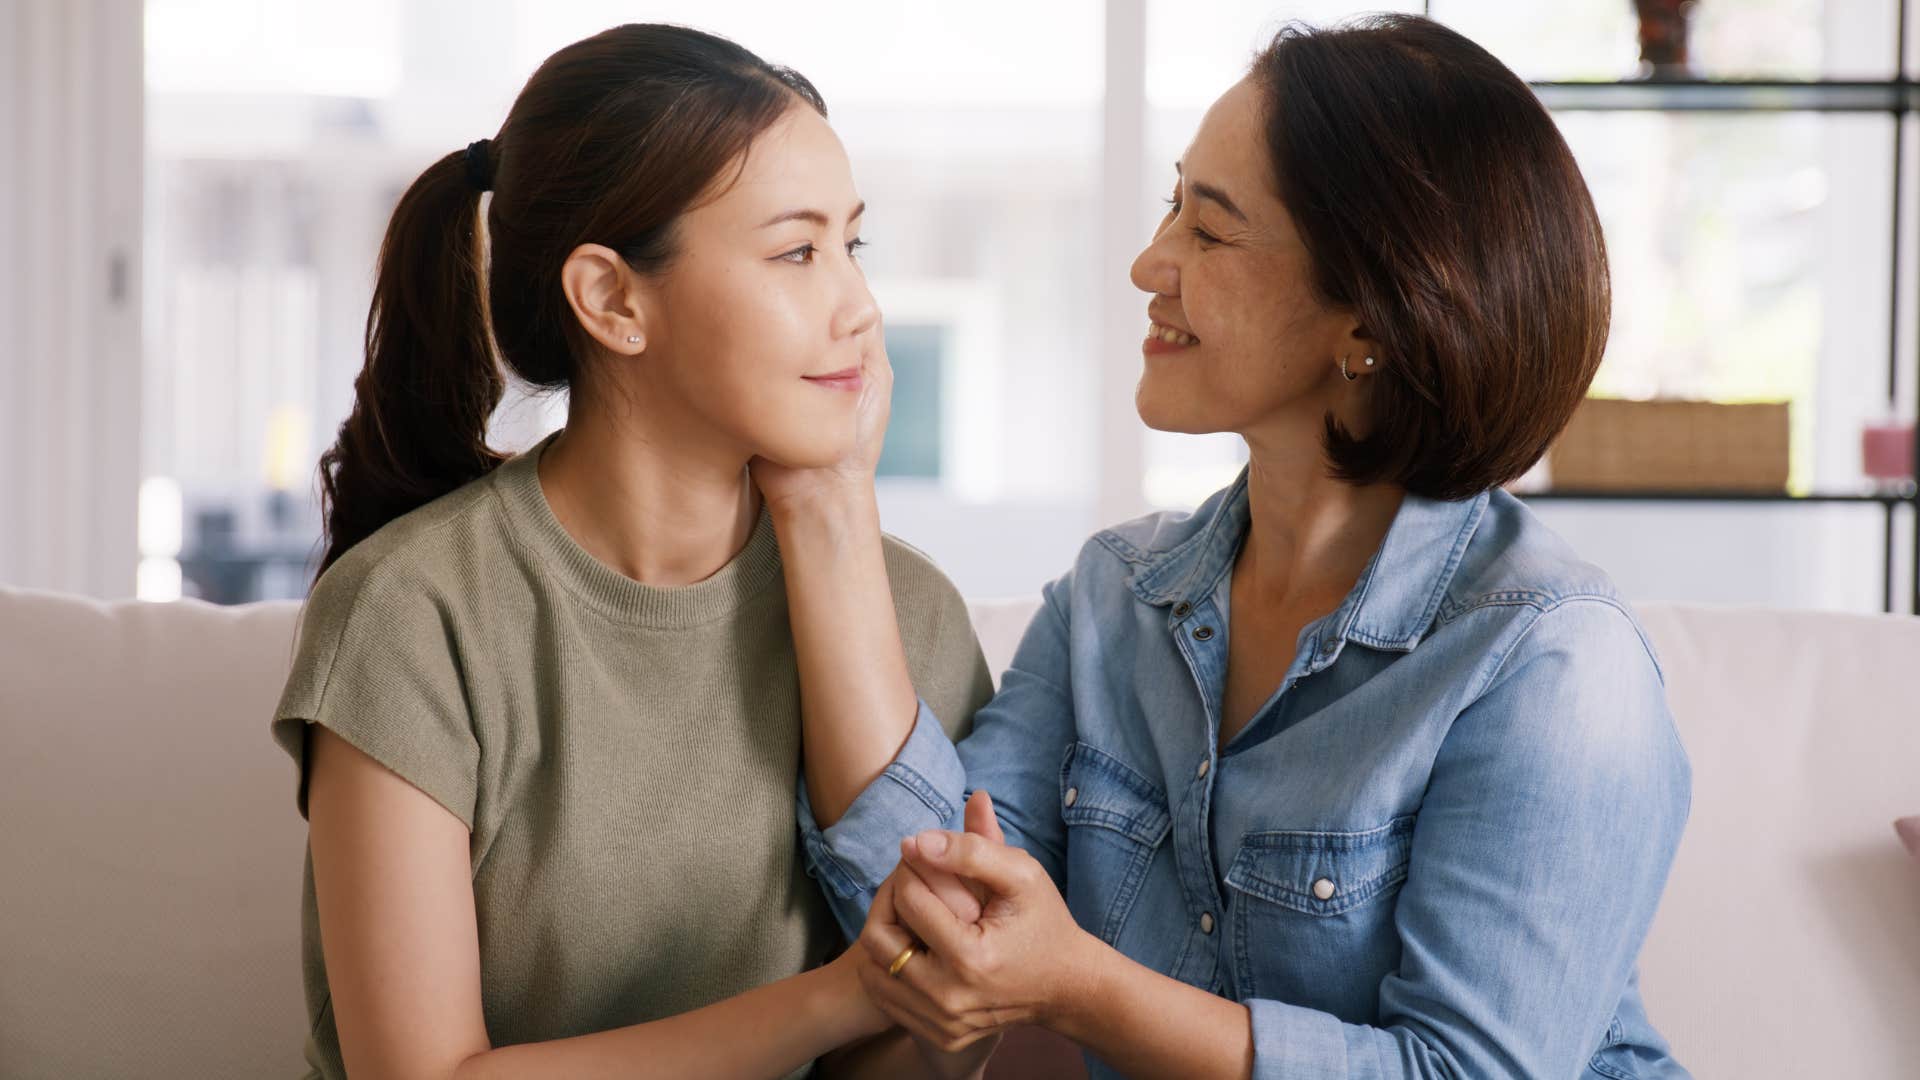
(1211,193)
(815,217)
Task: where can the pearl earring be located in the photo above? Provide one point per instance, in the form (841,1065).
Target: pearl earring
(635,340)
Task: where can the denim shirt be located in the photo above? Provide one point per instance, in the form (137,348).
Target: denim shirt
(1435,851)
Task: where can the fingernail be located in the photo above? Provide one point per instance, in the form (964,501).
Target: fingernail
(933,843)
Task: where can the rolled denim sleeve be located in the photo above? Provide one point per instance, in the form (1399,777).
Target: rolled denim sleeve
(922,788)
(1014,753)
(1539,855)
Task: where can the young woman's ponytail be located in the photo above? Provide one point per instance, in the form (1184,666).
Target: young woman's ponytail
(418,428)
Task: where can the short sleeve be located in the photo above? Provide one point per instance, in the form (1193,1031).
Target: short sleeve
(376,662)
(949,671)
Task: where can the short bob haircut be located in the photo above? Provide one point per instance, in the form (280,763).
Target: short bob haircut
(1439,204)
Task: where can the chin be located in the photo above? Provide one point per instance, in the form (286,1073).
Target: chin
(805,451)
(1161,413)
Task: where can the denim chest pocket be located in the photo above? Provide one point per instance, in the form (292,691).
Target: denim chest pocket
(1116,818)
(1306,903)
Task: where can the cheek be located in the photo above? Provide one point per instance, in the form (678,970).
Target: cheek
(742,341)
(752,323)
(1233,317)
(1267,336)
(780,325)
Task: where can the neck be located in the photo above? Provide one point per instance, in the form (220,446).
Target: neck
(1309,536)
(663,512)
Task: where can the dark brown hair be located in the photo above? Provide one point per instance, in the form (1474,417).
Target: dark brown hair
(1440,204)
(610,141)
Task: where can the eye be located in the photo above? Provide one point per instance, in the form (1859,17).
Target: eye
(853,248)
(1206,238)
(802,255)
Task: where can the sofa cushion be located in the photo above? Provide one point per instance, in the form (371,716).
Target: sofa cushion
(1787,910)
(152,854)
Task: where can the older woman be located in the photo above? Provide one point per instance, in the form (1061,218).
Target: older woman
(1356,770)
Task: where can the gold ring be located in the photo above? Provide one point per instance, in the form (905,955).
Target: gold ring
(900,962)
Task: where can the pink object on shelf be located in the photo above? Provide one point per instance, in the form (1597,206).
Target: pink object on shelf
(1909,830)
(1886,450)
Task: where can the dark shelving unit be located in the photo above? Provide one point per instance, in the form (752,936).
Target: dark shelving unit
(1898,97)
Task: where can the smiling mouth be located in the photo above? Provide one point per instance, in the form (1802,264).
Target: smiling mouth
(1170,336)
(847,379)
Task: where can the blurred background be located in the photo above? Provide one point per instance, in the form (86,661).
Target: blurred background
(192,193)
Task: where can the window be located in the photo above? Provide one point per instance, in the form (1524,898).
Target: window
(1750,252)
(918,352)
(281,136)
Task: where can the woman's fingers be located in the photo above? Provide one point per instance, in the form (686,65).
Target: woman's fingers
(980,818)
(883,937)
(924,999)
(982,821)
(1006,871)
(960,899)
(931,920)
(905,1006)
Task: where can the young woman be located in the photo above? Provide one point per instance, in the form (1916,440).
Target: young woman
(547,710)
(1357,770)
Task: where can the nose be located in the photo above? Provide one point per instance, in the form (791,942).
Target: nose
(1154,270)
(857,312)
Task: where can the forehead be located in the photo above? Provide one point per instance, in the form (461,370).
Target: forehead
(1229,150)
(798,162)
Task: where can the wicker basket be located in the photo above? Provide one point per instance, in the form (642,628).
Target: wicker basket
(1672,446)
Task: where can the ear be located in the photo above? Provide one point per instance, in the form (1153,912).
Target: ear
(1360,347)
(608,297)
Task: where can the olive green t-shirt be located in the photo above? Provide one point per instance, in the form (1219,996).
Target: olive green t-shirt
(626,757)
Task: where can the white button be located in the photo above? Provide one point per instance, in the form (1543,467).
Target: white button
(1206,923)
(1323,889)
(1204,766)
(1073,793)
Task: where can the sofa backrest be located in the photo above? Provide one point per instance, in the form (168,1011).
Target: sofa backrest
(151,856)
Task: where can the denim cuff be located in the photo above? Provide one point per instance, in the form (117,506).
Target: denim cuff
(924,788)
(1291,1042)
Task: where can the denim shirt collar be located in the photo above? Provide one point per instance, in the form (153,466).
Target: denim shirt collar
(1390,607)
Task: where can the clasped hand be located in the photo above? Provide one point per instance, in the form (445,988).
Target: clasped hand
(994,942)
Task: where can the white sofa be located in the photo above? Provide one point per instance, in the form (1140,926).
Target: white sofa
(150,854)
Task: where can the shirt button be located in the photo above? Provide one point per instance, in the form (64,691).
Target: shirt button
(1206,922)
(1204,766)
(1203,633)
(1182,609)
(1323,889)
(1073,795)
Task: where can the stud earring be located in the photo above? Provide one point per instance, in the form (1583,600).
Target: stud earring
(635,340)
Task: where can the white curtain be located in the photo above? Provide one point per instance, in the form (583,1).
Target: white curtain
(71,137)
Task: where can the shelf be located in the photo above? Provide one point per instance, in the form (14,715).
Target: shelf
(1893,97)
(1829,498)
(1712,95)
